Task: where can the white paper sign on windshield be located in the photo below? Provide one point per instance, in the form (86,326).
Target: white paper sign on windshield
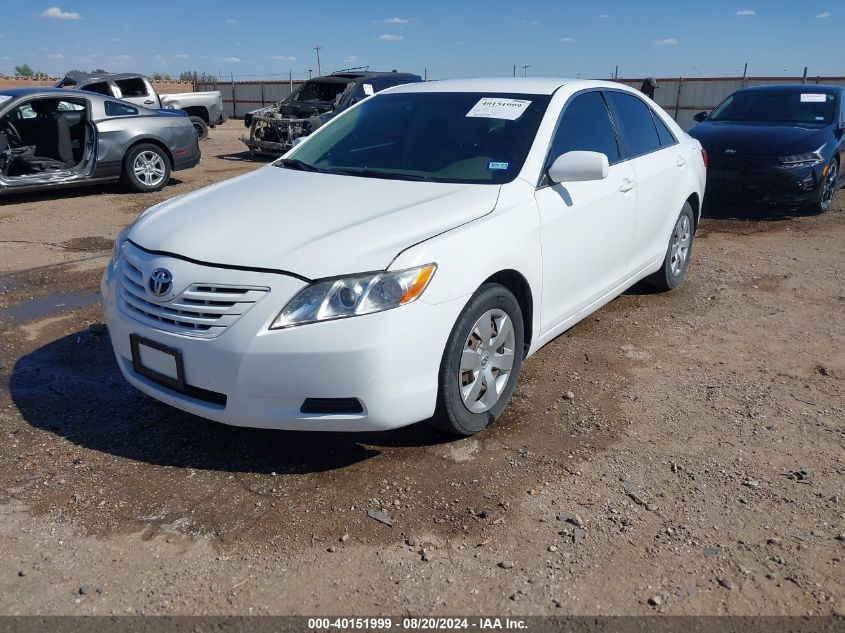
(813,98)
(497,108)
(368,89)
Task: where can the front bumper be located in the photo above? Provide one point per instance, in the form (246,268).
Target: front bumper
(767,184)
(388,361)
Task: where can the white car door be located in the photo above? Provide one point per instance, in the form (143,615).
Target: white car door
(586,227)
(658,163)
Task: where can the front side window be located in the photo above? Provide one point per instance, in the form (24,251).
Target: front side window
(132,87)
(461,137)
(100,87)
(636,125)
(585,126)
(114,108)
(320,90)
(778,105)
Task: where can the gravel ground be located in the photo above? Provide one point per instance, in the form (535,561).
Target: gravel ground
(698,469)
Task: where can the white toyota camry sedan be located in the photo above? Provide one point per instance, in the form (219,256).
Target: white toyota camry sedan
(401,263)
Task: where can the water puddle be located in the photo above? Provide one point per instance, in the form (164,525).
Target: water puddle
(49,305)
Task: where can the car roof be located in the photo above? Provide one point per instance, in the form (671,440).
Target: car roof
(515,85)
(103,77)
(825,88)
(58,92)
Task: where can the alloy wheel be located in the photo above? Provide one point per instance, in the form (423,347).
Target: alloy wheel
(681,241)
(829,185)
(487,361)
(149,168)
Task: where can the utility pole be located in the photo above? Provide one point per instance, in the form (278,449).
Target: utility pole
(525,70)
(309,73)
(744,75)
(804,78)
(514,70)
(319,69)
(616,72)
(425,73)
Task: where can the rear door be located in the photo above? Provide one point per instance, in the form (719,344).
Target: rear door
(657,163)
(138,91)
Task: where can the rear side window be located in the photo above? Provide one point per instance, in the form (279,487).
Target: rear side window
(132,87)
(663,132)
(114,108)
(585,126)
(634,117)
(100,87)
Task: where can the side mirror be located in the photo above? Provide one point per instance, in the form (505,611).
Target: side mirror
(700,116)
(579,167)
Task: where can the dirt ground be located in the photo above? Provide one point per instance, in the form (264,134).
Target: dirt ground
(699,468)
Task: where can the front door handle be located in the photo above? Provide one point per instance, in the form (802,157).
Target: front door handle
(681,161)
(149,102)
(627,185)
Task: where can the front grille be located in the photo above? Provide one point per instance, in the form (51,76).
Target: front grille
(203,310)
(332,406)
(740,163)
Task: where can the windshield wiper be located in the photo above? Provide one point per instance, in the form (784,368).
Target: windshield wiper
(295,163)
(388,175)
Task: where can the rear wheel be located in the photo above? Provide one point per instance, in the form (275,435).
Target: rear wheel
(481,362)
(146,168)
(201,127)
(828,189)
(678,253)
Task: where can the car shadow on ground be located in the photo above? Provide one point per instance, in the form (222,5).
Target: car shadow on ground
(247,157)
(82,191)
(72,387)
(727,210)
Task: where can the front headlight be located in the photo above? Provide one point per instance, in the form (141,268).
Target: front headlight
(117,254)
(354,295)
(797,160)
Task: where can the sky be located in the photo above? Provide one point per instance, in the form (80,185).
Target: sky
(442,38)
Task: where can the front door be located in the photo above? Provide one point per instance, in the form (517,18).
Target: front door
(586,227)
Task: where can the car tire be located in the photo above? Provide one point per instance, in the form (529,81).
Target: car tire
(678,253)
(822,205)
(201,127)
(146,167)
(487,336)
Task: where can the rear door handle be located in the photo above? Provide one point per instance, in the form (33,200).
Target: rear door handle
(149,102)
(681,161)
(627,185)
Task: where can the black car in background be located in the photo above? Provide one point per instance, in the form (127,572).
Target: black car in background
(779,144)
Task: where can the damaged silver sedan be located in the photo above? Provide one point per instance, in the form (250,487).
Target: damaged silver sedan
(274,128)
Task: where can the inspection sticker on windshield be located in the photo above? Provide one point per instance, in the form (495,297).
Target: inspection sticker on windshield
(813,98)
(368,89)
(494,165)
(495,108)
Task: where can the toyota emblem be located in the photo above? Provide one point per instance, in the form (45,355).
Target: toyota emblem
(161,281)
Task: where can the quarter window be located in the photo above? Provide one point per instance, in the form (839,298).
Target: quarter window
(663,132)
(585,126)
(114,108)
(132,87)
(637,127)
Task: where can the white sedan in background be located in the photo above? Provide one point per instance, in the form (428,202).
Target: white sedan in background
(401,263)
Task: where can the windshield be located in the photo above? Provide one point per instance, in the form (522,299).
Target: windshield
(781,106)
(438,136)
(320,91)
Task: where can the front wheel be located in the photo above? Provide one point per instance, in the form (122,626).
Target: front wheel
(201,127)
(678,253)
(481,362)
(828,189)
(146,168)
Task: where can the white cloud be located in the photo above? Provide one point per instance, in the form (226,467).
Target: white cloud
(531,22)
(56,56)
(394,21)
(181,56)
(57,14)
(669,41)
(566,40)
(233,22)
(283,58)
(351,59)
(123,58)
(115,39)
(746,12)
(387,37)
(824,14)
(604,15)
(231,60)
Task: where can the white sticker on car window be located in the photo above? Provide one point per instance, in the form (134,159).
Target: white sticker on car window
(4,98)
(496,108)
(813,98)
(368,89)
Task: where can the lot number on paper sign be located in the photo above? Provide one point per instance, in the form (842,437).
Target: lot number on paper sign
(813,98)
(492,108)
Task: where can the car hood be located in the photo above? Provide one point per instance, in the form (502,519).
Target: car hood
(759,139)
(310,224)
